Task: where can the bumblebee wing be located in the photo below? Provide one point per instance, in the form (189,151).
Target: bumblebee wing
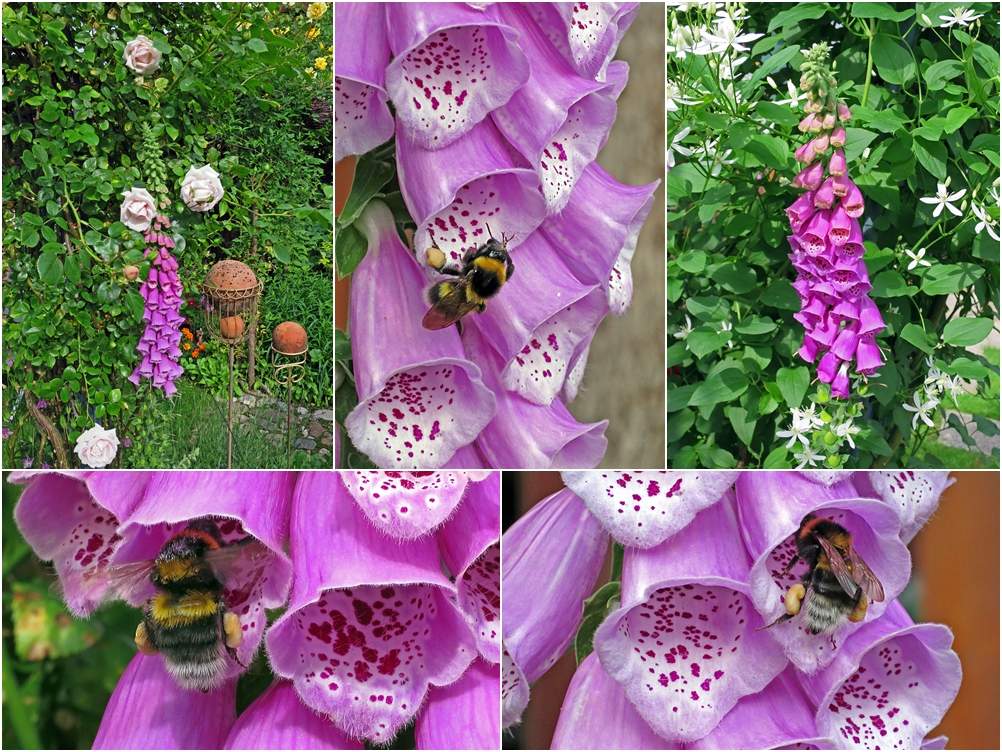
(130,582)
(449,305)
(865,577)
(241,555)
(838,566)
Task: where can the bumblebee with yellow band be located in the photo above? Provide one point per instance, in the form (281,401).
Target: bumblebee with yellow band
(485,271)
(188,621)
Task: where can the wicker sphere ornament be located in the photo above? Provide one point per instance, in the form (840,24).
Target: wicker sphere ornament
(231,275)
(231,327)
(289,338)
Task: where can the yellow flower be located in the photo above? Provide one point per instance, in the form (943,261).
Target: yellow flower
(321,63)
(311,72)
(312,32)
(316,10)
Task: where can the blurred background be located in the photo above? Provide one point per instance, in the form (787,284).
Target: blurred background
(625,378)
(946,587)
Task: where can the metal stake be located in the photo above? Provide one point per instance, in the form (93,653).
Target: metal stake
(229,427)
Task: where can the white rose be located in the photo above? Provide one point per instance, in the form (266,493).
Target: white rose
(138,209)
(97,447)
(141,55)
(201,189)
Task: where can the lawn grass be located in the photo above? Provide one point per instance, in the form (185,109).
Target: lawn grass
(987,404)
(190,432)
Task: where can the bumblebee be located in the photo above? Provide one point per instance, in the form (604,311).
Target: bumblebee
(187,619)
(485,271)
(837,585)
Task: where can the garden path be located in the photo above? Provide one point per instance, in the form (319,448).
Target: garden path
(312,427)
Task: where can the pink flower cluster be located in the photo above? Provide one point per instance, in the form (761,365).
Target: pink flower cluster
(162,291)
(840,320)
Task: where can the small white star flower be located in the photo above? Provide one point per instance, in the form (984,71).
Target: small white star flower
(922,409)
(985,221)
(684,331)
(944,198)
(959,16)
(798,431)
(846,431)
(676,146)
(955,387)
(917,258)
(808,457)
(728,36)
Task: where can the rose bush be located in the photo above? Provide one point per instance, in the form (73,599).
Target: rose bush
(913,140)
(107,102)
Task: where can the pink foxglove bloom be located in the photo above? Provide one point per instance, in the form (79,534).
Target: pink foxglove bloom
(86,521)
(376,624)
(499,113)
(159,345)
(683,662)
(832,280)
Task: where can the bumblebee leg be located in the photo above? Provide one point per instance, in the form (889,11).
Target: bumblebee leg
(481,307)
(143,640)
(793,561)
(510,270)
(232,629)
(859,613)
(780,620)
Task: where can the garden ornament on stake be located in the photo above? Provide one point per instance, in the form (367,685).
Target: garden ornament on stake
(288,356)
(231,293)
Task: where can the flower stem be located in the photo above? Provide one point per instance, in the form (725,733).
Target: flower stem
(26,732)
(870,31)
(617,562)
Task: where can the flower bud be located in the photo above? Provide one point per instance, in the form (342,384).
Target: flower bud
(838,138)
(821,143)
(805,153)
(828,122)
(926,21)
(131,272)
(844,115)
(826,195)
(810,177)
(837,166)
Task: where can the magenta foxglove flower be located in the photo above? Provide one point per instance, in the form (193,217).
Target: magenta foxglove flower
(279,720)
(684,644)
(86,521)
(500,111)
(840,320)
(771,505)
(683,660)
(374,625)
(550,559)
(160,343)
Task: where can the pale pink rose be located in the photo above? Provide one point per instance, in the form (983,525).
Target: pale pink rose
(141,55)
(97,447)
(201,189)
(138,209)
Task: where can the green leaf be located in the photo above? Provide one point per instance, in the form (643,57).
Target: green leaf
(890,284)
(679,423)
(186,84)
(756,325)
(856,141)
(679,397)
(800,12)
(282,253)
(258,45)
(370,176)
(692,262)
(965,332)
(880,10)
(72,269)
(939,74)
(43,627)
(916,335)
(944,279)
(134,302)
(736,277)
(709,307)
(705,339)
(601,604)
(740,422)
(777,113)
(780,294)
(870,441)
(986,425)
(932,156)
(893,62)
(957,116)
(968,369)
(723,386)
(772,151)
(777,459)
(108,291)
(793,383)
(349,249)
(50,268)
(676,354)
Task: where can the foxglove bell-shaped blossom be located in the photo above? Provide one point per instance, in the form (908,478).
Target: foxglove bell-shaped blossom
(523,433)
(596,714)
(279,720)
(891,683)
(646,507)
(452,64)
(370,628)
(586,34)
(683,645)
(163,294)
(551,558)
(771,507)
(445,719)
(362,120)
(915,494)
(420,399)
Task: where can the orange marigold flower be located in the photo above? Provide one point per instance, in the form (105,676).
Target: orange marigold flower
(187,346)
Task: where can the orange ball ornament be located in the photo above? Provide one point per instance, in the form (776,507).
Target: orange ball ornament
(231,327)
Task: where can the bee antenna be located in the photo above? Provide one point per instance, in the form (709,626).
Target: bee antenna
(489,233)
